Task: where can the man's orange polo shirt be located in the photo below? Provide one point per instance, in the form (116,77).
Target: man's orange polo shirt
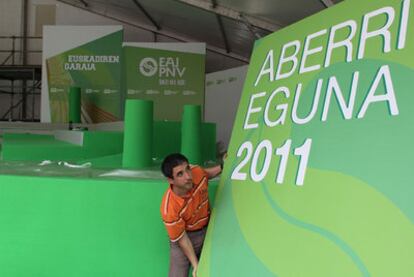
(190,212)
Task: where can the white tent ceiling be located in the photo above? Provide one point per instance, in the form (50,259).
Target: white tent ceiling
(228,27)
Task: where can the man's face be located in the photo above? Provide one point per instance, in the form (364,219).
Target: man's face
(182,177)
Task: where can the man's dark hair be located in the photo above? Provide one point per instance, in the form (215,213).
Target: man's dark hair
(170,162)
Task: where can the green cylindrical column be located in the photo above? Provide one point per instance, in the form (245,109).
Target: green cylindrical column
(191,133)
(138,128)
(75,104)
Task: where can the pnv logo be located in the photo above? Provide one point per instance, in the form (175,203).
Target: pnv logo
(148,67)
(167,67)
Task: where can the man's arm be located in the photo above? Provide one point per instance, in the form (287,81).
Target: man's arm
(188,249)
(213,171)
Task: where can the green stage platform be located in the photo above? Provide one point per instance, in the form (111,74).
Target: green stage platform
(68,208)
(101,148)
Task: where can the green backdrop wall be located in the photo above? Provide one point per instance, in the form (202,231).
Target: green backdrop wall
(170,74)
(93,64)
(82,227)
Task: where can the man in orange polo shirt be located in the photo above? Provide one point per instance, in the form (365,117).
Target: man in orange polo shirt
(185,211)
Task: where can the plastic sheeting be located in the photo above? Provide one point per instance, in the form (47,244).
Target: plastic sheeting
(81,170)
(66,169)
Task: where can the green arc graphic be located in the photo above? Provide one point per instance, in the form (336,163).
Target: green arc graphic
(318,230)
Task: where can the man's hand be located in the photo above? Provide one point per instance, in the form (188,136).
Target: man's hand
(223,159)
(216,170)
(195,271)
(187,247)
(224,156)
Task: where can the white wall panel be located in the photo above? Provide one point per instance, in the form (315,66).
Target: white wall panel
(223,91)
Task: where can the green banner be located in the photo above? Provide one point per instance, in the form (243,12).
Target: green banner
(171,79)
(318,181)
(95,67)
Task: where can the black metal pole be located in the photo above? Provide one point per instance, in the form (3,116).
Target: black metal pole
(24,58)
